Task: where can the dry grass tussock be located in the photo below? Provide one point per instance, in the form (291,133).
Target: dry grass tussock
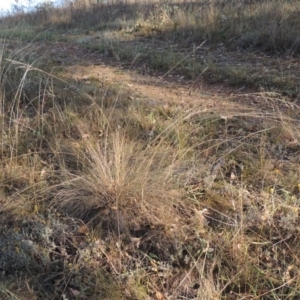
(104,196)
(122,184)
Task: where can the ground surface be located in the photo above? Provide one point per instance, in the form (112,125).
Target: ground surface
(237,191)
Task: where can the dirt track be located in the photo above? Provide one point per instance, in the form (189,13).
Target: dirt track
(162,89)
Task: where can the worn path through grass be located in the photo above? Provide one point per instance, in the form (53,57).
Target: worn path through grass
(165,89)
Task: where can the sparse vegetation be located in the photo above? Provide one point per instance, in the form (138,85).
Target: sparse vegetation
(150,150)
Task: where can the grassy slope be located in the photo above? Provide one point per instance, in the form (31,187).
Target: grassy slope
(106,197)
